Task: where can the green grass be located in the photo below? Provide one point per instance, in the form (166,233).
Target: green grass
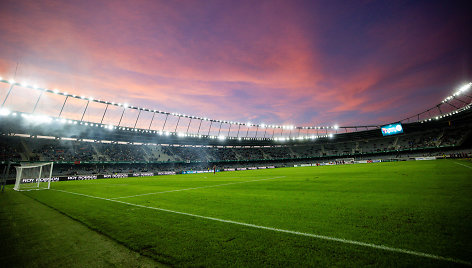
(422,206)
(33,235)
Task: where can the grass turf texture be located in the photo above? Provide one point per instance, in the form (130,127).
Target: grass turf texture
(33,235)
(423,206)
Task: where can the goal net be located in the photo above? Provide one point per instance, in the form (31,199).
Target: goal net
(345,160)
(33,176)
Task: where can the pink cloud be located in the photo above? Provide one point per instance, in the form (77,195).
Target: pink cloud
(245,62)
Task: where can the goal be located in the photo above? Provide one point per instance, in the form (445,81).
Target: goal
(33,176)
(345,160)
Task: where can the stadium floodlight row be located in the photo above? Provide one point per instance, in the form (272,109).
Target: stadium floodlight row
(127,106)
(467,107)
(460,91)
(287,132)
(42,119)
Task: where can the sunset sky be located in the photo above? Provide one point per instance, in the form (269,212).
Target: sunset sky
(274,62)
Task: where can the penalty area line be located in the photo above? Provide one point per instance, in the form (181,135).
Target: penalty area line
(463,165)
(322,237)
(194,188)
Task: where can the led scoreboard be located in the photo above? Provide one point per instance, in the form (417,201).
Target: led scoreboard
(392,129)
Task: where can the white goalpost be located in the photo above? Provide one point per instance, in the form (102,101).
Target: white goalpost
(33,176)
(347,160)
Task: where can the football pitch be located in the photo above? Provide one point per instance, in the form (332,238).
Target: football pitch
(416,213)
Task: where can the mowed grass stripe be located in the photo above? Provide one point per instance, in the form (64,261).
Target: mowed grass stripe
(124,187)
(35,235)
(335,239)
(195,188)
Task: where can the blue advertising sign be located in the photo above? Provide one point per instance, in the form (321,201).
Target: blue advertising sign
(392,129)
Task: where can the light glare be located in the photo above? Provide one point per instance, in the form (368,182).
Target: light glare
(4,112)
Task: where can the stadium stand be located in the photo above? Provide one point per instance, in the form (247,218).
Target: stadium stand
(9,151)
(98,151)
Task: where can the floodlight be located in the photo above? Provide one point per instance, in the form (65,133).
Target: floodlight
(42,119)
(12,81)
(62,121)
(56,90)
(4,112)
(13,114)
(91,98)
(221,138)
(465,87)
(336,127)
(330,135)
(1,78)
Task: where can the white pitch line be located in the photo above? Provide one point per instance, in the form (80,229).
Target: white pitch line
(463,165)
(323,237)
(194,188)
